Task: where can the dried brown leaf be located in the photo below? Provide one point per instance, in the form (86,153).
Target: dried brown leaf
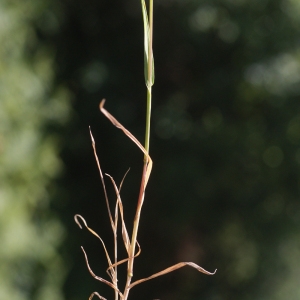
(171,269)
(131,136)
(120,204)
(112,275)
(102,180)
(96,294)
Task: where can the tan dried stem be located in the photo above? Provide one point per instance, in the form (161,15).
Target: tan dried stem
(129,245)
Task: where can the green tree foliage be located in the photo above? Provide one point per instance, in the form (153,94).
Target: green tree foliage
(30,265)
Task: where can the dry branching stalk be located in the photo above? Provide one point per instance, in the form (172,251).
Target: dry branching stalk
(130,244)
(119,212)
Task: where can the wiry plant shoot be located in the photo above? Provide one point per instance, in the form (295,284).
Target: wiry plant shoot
(130,244)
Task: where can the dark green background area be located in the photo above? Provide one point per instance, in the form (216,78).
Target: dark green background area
(224,191)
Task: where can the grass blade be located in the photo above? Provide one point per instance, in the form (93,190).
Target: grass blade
(171,269)
(76,217)
(120,205)
(131,136)
(102,180)
(96,294)
(146,46)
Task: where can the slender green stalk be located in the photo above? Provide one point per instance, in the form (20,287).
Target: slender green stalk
(150,70)
(149,84)
(148,117)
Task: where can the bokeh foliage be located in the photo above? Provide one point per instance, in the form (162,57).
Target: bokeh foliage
(30,265)
(224,191)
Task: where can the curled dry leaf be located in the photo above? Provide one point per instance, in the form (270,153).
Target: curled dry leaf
(173,268)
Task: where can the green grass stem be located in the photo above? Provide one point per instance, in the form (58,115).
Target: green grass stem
(150,76)
(149,83)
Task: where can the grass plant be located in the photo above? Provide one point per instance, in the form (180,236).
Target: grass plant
(131,244)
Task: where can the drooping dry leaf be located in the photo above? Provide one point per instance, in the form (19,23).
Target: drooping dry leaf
(131,136)
(171,269)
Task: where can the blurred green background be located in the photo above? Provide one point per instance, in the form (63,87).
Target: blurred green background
(224,191)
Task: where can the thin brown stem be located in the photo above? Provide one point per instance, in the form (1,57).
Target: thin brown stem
(134,232)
